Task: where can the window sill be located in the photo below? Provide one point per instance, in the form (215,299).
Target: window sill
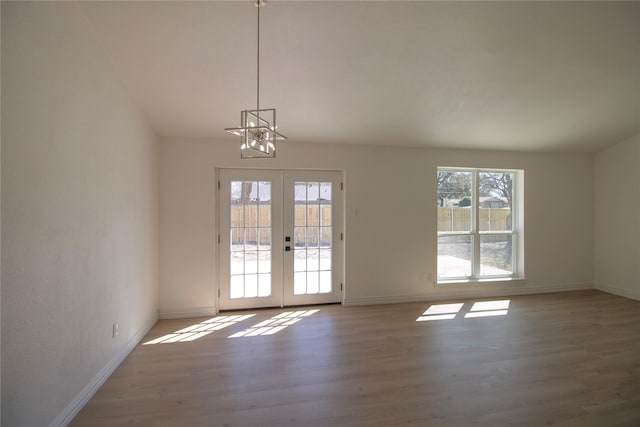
(514,280)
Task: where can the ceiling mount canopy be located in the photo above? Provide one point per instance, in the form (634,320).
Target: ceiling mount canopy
(258,130)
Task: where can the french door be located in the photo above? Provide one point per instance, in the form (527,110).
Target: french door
(280,240)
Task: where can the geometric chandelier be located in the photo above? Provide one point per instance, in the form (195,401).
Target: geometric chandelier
(257,131)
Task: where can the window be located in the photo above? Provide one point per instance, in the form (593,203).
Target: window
(479,228)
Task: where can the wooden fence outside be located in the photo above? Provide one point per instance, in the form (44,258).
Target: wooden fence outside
(459,219)
(316,220)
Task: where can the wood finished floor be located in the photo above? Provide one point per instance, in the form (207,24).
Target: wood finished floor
(568,359)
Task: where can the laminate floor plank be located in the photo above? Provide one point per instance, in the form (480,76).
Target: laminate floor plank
(566,359)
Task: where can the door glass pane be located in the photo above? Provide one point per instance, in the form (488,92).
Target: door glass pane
(237,263)
(300,283)
(454,256)
(264,285)
(312,230)
(495,201)
(325,208)
(250,262)
(325,260)
(251,240)
(313,235)
(312,282)
(237,286)
(300,236)
(250,285)
(264,262)
(264,214)
(325,282)
(325,237)
(496,255)
(312,260)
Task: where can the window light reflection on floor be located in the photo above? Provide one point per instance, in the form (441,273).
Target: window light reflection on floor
(275,324)
(489,308)
(199,330)
(478,309)
(440,312)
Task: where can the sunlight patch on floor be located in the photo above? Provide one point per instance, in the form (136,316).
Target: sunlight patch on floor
(440,312)
(489,308)
(199,330)
(479,309)
(275,324)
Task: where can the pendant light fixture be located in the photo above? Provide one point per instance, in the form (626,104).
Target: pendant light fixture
(258,130)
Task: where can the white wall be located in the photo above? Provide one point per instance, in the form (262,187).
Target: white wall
(79,214)
(617,218)
(391,245)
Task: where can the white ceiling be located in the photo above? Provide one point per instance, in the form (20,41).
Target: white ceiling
(561,76)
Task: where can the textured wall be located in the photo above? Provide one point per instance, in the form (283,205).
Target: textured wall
(79,209)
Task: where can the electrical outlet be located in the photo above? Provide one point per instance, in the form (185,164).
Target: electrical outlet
(116,328)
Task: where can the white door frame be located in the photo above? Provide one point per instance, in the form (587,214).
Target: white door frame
(285,259)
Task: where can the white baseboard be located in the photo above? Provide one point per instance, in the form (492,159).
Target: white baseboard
(189,312)
(78,402)
(618,291)
(442,295)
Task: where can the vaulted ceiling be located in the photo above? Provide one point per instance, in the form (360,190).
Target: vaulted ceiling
(535,76)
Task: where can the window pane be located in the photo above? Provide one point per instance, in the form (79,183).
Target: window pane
(454,256)
(237,239)
(312,282)
(325,259)
(264,216)
(264,262)
(237,287)
(325,191)
(264,285)
(300,260)
(313,214)
(300,283)
(250,285)
(300,237)
(325,237)
(264,239)
(251,214)
(250,262)
(264,191)
(495,201)
(325,281)
(312,237)
(454,200)
(496,255)
(313,256)
(300,214)
(237,263)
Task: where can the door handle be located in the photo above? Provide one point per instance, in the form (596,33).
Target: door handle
(287,248)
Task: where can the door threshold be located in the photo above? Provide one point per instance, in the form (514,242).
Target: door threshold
(278,307)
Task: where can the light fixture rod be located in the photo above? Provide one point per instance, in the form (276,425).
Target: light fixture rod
(259,6)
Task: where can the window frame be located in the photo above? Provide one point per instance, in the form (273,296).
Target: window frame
(475,234)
